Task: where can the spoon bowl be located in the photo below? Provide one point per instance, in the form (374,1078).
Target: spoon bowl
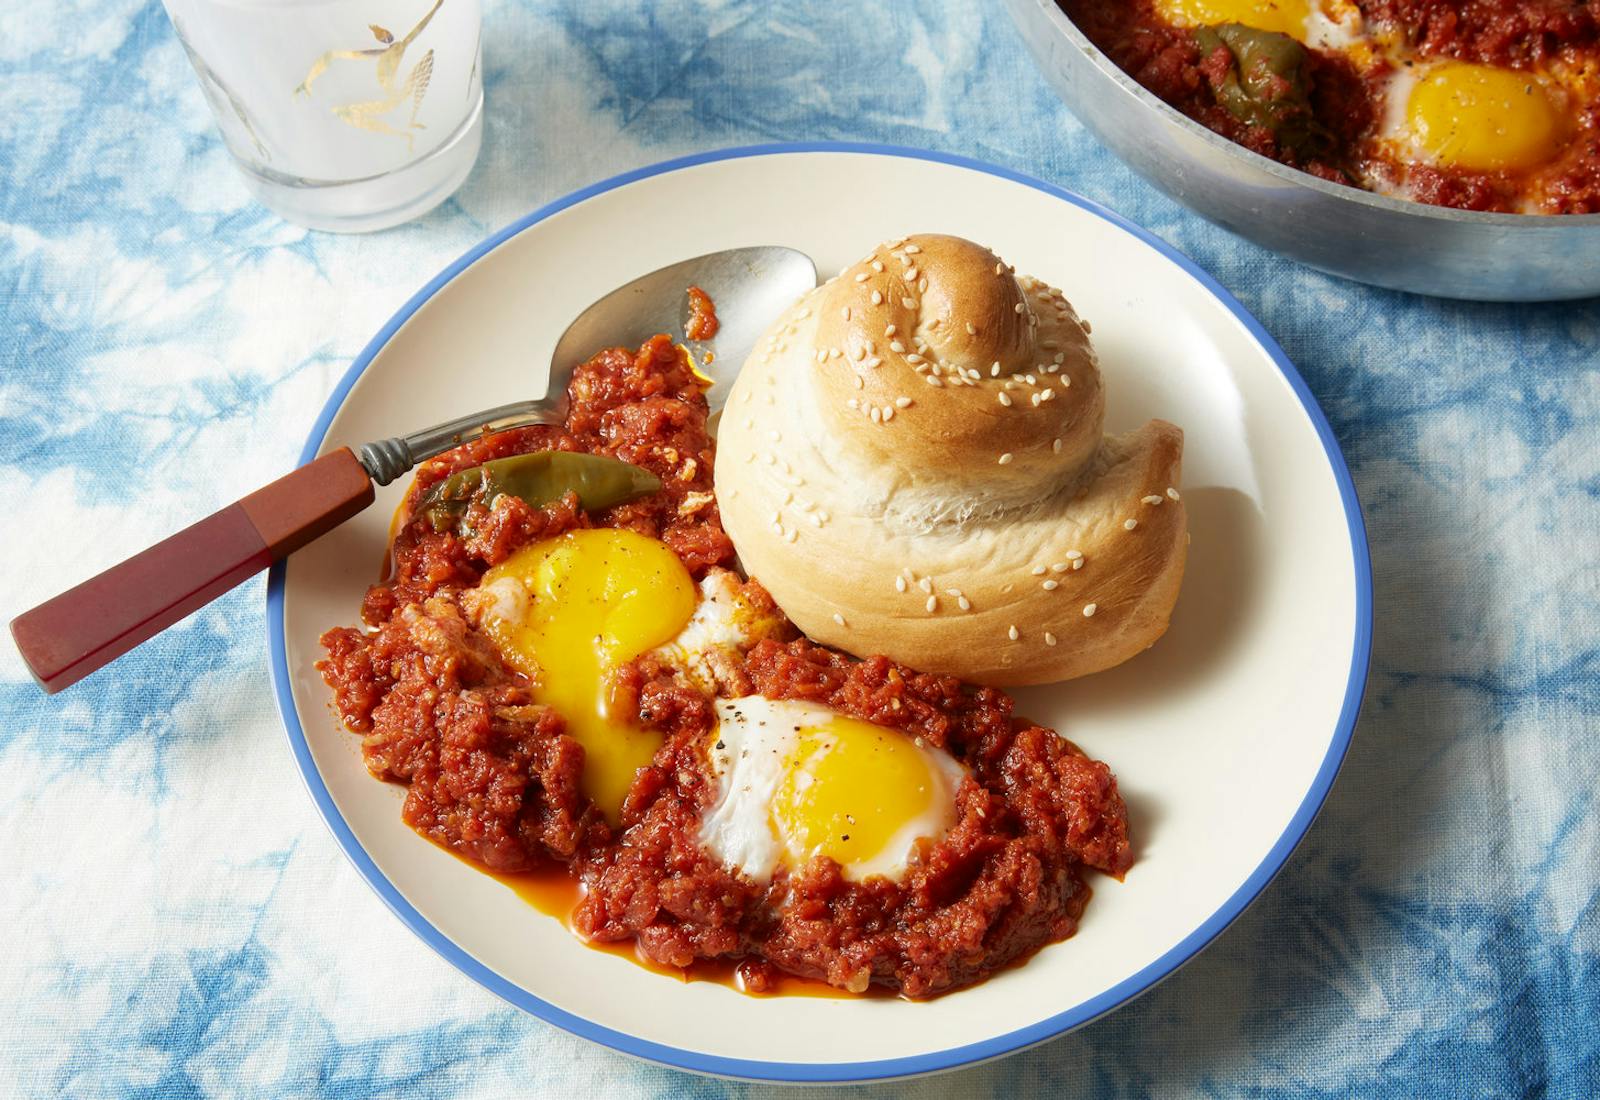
(750,286)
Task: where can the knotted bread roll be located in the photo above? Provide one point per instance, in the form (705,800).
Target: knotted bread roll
(912,463)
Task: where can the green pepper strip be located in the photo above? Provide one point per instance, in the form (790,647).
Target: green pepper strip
(1268,85)
(537,478)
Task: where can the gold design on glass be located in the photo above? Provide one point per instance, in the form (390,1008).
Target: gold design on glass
(368,114)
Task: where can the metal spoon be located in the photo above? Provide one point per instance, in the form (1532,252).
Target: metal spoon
(66,638)
(751,286)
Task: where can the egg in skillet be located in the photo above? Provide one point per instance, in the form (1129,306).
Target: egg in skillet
(1478,118)
(796,780)
(1454,115)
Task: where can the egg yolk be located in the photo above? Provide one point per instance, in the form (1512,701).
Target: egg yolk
(849,789)
(598,599)
(1482,118)
(1279,16)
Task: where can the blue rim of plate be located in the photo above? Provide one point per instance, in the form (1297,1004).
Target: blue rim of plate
(953,1057)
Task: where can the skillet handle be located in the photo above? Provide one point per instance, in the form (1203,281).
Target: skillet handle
(66,638)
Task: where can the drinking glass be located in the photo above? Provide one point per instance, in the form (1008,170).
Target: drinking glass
(349,115)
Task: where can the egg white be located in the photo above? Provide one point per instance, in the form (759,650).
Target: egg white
(723,620)
(1394,137)
(1334,26)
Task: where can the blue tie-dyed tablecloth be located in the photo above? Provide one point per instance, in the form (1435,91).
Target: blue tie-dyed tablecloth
(175,920)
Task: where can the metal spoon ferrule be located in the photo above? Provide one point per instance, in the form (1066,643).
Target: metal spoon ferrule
(387,459)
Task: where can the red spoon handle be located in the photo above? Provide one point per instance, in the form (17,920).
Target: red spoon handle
(64,639)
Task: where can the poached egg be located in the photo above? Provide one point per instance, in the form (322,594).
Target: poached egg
(796,780)
(566,612)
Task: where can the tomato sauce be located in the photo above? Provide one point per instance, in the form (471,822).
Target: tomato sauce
(702,323)
(555,892)
(492,777)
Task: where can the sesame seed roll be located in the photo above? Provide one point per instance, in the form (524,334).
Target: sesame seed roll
(913,463)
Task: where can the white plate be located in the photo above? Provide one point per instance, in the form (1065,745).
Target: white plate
(1225,736)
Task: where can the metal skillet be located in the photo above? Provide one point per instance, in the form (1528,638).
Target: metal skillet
(1341,230)
(86,627)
